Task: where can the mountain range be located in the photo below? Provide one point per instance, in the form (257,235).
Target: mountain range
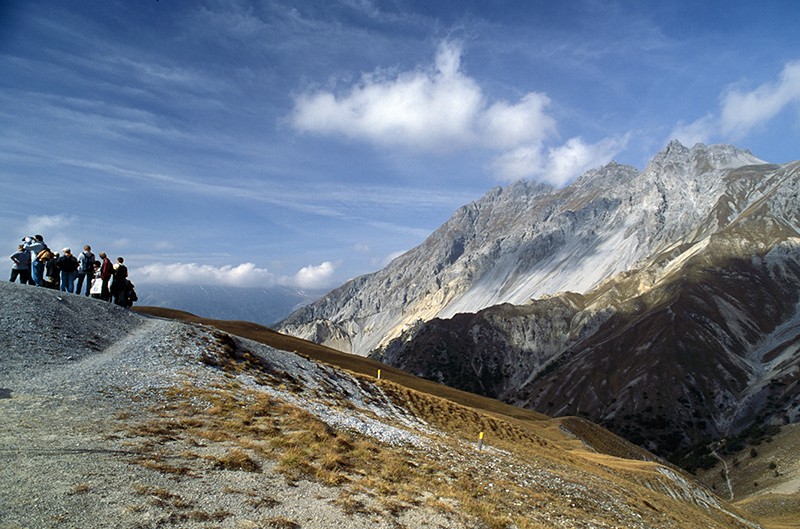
(267,305)
(662,304)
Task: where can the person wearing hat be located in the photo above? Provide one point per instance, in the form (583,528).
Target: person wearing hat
(67,265)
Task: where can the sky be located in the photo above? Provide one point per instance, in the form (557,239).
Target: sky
(304,143)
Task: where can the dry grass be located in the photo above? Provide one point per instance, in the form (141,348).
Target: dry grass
(231,423)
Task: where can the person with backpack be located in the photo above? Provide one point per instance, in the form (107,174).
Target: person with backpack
(119,282)
(85,269)
(67,265)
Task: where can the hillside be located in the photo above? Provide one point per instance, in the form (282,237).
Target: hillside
(116,419)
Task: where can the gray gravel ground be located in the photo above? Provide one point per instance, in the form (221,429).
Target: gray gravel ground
(71,366)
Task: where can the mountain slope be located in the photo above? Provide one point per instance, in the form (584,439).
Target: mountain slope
(682,321)
(529,240)
(131,421)
(699,343)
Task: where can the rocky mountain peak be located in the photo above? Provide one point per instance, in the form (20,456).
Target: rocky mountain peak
(528,240)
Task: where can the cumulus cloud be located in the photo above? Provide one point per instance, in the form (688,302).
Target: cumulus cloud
(425,109)
(315,276)
(243,275)
(443,109)
(742,111)
(557,165)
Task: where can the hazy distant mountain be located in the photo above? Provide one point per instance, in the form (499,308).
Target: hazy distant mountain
(661,303)
(260,305)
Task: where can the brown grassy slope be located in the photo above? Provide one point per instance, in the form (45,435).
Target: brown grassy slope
(562,447)
(584,433)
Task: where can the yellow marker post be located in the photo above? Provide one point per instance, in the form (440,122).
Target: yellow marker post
(480,441)
(379,374)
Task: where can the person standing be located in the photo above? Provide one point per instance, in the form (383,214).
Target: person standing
(22,265)
(119,283)
(68,266)
(35,245)
(85,269)
(106,272)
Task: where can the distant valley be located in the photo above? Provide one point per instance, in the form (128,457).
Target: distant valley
(265,306)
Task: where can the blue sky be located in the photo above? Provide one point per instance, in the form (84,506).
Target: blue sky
(303,143)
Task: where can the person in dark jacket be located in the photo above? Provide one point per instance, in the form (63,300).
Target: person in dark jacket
(119,282)
(67,266)
(106,272)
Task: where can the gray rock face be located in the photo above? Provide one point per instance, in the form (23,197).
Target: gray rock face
(663,304)
(526,241)
(699,341)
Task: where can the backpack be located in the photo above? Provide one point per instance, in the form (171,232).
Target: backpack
(44,255)
(88,262)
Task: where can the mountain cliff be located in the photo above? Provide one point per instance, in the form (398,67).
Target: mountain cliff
(529,240)
(661,303)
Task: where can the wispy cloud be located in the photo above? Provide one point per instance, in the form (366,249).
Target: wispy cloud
(557,165)
(243,275)
(442,109)
(742,110)
(699,131)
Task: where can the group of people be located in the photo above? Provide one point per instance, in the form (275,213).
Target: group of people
(36,264)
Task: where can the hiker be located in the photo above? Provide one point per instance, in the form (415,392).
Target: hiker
(119,282)
(96,290)
(67,265)
(106,271)
(22,265)
(48,258)
(85,269)
(35,245)
(129,296)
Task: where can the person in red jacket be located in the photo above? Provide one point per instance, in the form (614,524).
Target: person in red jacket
(106,271)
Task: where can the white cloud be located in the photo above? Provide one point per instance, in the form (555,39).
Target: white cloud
(443,109)
(506,126)
(699,131)
(315,276)
(428,110)
(558,165)
(741,111)
(243,275)
(438,108)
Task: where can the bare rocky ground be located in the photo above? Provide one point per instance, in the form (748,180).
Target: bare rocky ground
(109,419)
